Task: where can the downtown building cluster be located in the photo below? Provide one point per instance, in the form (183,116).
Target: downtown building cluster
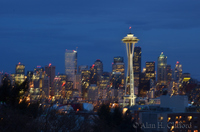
(161,104)
(91,84)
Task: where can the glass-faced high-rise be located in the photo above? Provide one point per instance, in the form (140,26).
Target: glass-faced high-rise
(70,64)
(162,69)
(177,71)
(137,65)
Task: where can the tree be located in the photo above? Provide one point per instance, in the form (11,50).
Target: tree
(5,90)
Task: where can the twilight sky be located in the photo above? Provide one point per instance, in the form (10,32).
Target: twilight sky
(37,32)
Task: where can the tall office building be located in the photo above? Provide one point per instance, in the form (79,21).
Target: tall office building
(98,63)
(104,85)
(118,70)
(19,73)
(39,86)
(93,74)
(177,71)
(70,64)
(162,69)
(150,70)
(50,71)
(85,82)
(169,74)
(137,65)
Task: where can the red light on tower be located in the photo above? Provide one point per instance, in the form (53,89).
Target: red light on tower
(49,64)
(19,63)
(129,27)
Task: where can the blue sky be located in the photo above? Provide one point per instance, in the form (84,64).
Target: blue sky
(37,32)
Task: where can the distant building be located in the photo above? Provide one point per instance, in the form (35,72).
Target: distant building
(118,72)
(85,82)
(57,89)
(50,71)
(99,65)
(93,74)
(150,70)
(169,74)
(78,84)
(104,86)
(144,85)
(70,64)
(39,86)
(161,69)
(20,73)
(137,65)
(178,72)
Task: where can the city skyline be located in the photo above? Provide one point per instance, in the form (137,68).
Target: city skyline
(38,34)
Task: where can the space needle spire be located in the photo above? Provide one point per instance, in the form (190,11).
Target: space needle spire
(130,40)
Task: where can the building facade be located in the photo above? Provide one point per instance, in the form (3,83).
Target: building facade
(19,73)
(162,69)
(137,65)
(50,71)
(70,64)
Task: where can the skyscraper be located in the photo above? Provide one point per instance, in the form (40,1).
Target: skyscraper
(70,64)
(99,65)
(162,69)
(20,69)
(177,71)
(19,73)
(150,70)
(169,74)
(85,82)
(137,65)
(93,74)
(50,71)
(118,69)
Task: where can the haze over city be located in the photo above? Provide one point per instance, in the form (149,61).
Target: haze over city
(38,32)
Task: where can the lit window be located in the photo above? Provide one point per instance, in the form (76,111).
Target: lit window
(189,118)
(169,118)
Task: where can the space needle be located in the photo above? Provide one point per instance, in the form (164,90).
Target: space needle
(130,41)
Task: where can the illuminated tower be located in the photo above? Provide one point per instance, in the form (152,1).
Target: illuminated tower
(19,73)
(177,72)
(70,64)
(162,69)
(130,41)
